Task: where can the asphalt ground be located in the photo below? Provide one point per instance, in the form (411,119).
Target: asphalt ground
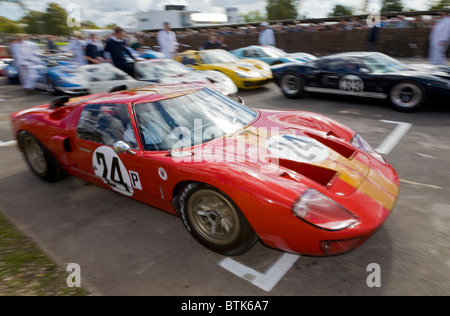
(124,247)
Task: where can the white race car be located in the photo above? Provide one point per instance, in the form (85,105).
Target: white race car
(168,71)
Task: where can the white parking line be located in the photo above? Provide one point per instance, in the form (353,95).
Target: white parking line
(265,281)
(392,140)
(9,143)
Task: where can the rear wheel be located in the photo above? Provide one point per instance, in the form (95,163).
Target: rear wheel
(407,96)
(215,221)
(40,160)
(292,85)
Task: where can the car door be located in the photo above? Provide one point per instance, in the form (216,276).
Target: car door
(93,157)
(340,76)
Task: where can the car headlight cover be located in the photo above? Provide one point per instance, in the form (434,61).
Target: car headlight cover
(243,74)
(322,212)
(361,144)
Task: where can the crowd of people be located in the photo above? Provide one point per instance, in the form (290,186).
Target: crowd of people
(117,48)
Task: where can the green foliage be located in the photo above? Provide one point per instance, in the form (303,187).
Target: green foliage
(53,21)
(388,6)
(440,4)
(282,9)
(56,20)
(340,10)
(9,26)
(34,22)
(254,16)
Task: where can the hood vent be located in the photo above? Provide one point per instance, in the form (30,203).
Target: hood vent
(343,149)
(322,176)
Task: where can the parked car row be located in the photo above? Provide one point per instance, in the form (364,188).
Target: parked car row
(358,74)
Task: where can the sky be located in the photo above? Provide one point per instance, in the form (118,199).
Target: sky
(103,12)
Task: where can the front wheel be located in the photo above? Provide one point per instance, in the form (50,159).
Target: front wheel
(407,96)
(292,85)
(215,221)
(40,160)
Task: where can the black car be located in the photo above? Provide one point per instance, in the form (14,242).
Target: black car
(365,74)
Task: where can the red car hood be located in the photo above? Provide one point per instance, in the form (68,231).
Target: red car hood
(307,148)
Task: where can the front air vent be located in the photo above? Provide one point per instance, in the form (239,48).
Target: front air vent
(322,176)
(341,148)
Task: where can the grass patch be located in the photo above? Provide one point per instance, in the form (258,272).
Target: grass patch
(26,271)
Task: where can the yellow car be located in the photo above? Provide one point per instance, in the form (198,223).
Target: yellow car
(245,73)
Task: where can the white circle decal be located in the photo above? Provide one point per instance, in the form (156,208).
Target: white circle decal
(162,173)
(351,83)
(108,166)
(297,148)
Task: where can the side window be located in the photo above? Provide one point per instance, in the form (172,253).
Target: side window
(106,124)
(189,60)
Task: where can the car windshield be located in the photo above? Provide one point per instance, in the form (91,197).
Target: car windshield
(271,51)
(217,56)
(160,69)
(380,63)
(191,119)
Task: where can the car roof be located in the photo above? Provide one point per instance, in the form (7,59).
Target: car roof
(149,93)
(352,54)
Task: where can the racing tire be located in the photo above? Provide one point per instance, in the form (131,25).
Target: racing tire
(292,85)
(407,96)
(214,220)
(40,160)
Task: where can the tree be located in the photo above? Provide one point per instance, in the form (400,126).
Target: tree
(340,10)
(89,25)
(440,5)
(34,21)
(392,6)
(56,20)
(9,26)
(254,16)
(282,9)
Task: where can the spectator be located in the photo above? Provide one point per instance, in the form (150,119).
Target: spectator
(266,36)
(372,39)
(167,41)
(76,46)
(222,44)
(94,50)
(51,45)
(439,40)
(115,51)
(211,43)
(25,60)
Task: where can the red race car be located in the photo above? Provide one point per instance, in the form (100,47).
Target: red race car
(297,181)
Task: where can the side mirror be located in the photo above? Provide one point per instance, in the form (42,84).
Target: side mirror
(122,147)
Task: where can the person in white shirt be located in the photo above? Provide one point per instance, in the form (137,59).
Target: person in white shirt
(77,46)
(167,40)
(266,36)
(439,41)
(25,59)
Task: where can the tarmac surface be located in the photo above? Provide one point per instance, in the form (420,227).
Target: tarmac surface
(127,248)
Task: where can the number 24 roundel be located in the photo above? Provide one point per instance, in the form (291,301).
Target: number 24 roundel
(108,166)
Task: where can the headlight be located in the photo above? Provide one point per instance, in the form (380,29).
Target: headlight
(242,74)
(320,211)
(361,144)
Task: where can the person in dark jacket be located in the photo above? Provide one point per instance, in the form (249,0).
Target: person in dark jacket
(116,52)
(211,43)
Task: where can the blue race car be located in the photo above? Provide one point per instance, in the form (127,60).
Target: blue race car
(11,72)
(271,55)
